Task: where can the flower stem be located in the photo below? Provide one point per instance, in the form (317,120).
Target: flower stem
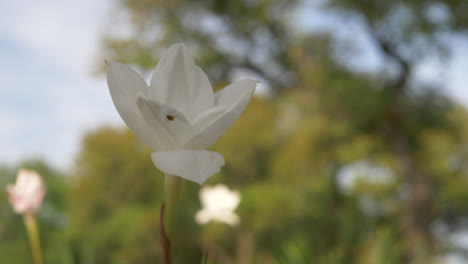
(172,188)
(34,239)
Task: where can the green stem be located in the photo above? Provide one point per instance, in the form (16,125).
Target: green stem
(172,188)
(34,239)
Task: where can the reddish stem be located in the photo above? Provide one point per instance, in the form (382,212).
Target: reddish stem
(165,242)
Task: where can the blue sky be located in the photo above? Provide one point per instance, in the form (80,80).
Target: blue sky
(49,97)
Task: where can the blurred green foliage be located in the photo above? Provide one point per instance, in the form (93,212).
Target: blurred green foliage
(287,153)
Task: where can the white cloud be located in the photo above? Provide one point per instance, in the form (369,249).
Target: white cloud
(47,96)
(62,31)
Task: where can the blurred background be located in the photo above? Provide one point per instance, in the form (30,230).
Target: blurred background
(354,148)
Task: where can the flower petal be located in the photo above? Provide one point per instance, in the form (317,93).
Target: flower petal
(181,84)
(231,93)
(28,192)
(171,124)
(124,86)
(207,117)
(210,134)
(193,165)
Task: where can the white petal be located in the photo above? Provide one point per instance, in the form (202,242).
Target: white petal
(207,117)
(181,84)
(125,85)
(204,216)
(193,165)
(227,217)
(231,93)
(219,198)
(28,192)
(216,129)
(171,124)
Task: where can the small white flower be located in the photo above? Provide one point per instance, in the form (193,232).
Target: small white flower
(178,116)
(28,192)
(218,204)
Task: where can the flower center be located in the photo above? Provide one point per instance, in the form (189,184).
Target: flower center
(170,117)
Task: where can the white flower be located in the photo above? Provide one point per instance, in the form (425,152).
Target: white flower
(28,192)
(177,115)
(218,204)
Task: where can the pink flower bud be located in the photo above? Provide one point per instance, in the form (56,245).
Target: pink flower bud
(28,192)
